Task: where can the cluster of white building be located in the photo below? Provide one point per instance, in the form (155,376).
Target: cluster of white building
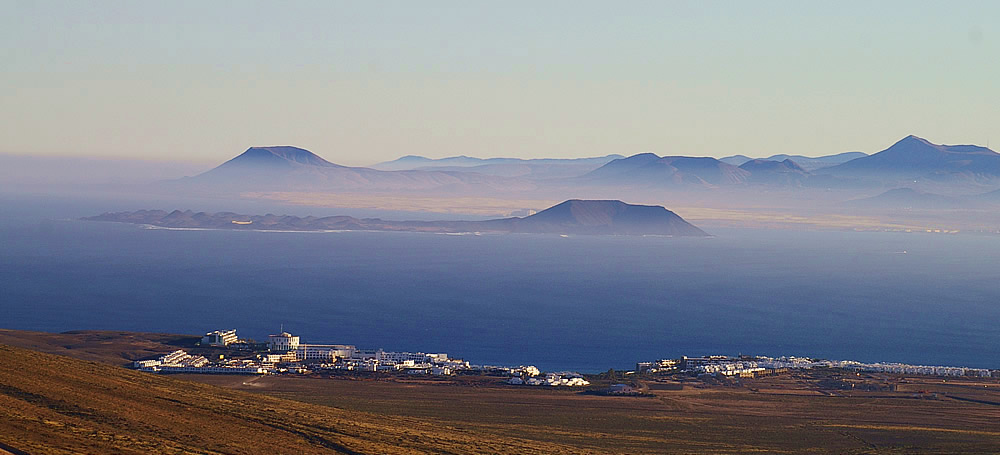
(408,362)
(180,361)
(741,369)
(286,353)
(176,359)
(289,347)
(922,369)
(285,348)
(719,365)
(898,368)
(523,371)
(659,366)
(560,379)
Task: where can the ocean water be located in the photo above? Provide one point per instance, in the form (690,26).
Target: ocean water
(582,303)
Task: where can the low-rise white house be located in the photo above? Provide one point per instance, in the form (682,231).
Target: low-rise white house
(560,379)
(176,359)
(323,352)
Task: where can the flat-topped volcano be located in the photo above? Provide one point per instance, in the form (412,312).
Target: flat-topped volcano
(283,156)
(593,217)
(607,217)
(287,168)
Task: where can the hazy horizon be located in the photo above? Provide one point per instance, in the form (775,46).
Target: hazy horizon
(361,83)
(202,164)
(606,190)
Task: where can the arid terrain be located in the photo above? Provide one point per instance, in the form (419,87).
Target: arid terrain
(54,404)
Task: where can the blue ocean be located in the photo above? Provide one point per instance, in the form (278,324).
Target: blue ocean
(582,303)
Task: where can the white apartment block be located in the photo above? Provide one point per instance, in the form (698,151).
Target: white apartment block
(219,338)
(282,342)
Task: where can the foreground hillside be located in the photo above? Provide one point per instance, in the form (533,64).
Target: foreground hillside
(105,346)
(55,404)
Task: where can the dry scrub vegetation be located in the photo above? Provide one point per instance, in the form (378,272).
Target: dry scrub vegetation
(55,404)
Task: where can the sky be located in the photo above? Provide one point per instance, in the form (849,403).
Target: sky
(364,82)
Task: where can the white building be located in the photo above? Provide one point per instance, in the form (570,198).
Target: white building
(219,338)
(176,359)
(284,357)
(400,357)
(365,354)
(282,342)
(529,370)
(323,351)
(561,379)
(441,371)
(397,357)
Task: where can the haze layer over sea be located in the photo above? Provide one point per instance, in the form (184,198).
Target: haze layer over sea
(584,303)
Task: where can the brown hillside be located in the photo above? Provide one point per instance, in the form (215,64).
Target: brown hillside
(105,346)
(55,404)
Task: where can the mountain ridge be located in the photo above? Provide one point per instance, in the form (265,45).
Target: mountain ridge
(786,172)
(651,169)
(535,168)
(294,168)
(808,163)
(413,162)
(914,157)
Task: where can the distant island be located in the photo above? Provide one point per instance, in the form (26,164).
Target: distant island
(587,217)
(289,168)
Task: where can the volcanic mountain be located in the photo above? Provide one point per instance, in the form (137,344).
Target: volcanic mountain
(807,163)
(287,168)
(606,217)
(260,158)
(650,169)
(913,157)
(785,172)
(811,163)
(570,217)
(539,168)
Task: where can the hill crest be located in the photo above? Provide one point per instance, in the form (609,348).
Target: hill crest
(915,157)
(651,169)
(282,156)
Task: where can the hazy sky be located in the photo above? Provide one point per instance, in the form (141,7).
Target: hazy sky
(363,82)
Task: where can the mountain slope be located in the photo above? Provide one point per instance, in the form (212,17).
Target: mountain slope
(735,160)
(908,198)
(807,163)
(542,168)
(54,404)
(291,168)
(286,156)
(810,163)
(785,172)
(913,157)
(650,169)
(411,162)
